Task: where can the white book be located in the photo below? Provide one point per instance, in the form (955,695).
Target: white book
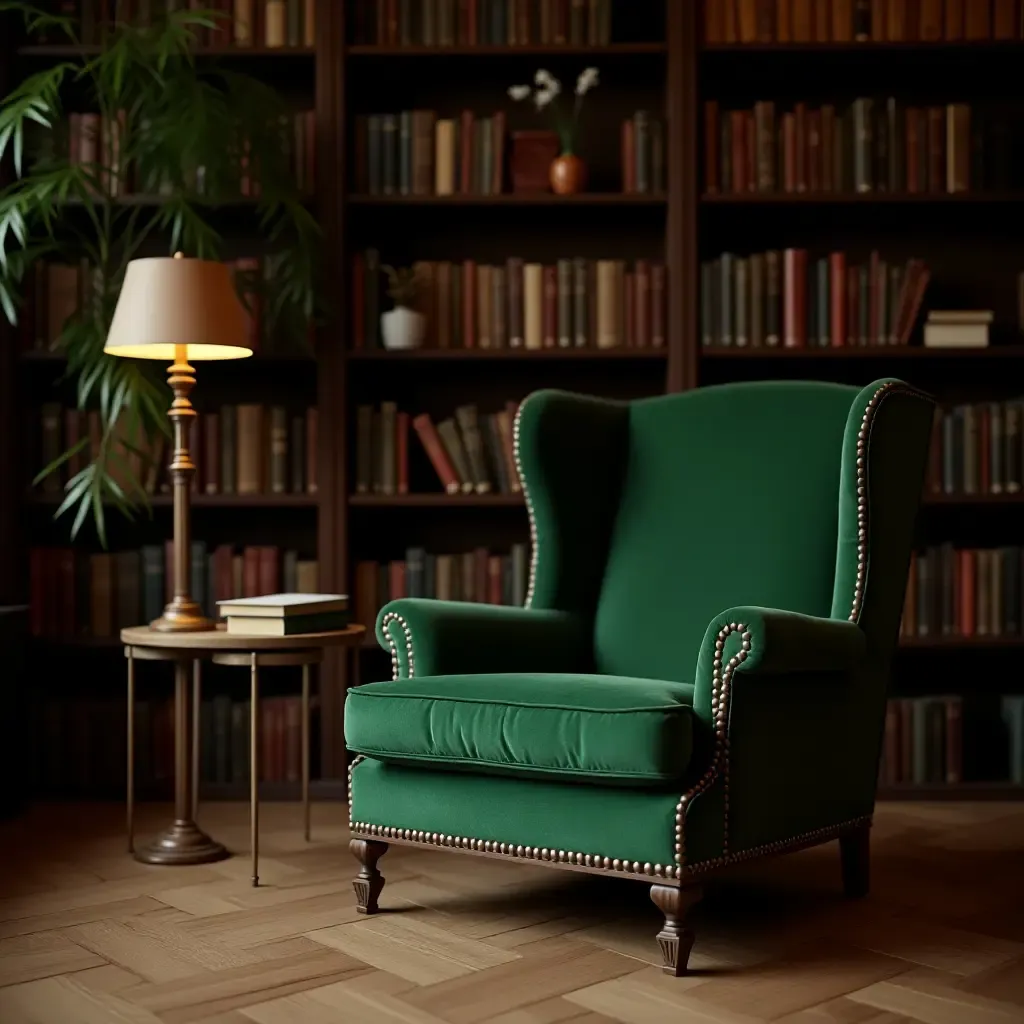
(278,606)
(960,316)
(956,335)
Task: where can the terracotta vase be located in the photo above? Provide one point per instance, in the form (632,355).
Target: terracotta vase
(568,175)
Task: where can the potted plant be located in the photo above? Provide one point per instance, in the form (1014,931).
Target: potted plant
(568,173)
(402,327)
(171,140)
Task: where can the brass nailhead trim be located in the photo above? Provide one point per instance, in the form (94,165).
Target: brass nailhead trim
(387,620)
(721,680)
(532,580)
(863,436)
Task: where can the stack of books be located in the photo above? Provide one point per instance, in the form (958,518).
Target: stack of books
(957,328)
(285,614)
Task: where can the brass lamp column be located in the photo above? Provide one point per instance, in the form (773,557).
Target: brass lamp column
(177,310)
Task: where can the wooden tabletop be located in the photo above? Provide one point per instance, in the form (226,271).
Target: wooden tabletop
(219,640)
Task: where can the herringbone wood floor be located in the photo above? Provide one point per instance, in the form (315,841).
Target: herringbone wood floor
(88,936)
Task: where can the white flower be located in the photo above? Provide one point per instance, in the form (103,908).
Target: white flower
(519,92)
(542,97)
(587,80)
(546,80)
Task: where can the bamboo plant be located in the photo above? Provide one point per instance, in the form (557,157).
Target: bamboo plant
(186,132)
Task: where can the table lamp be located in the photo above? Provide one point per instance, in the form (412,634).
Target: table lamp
(176,310)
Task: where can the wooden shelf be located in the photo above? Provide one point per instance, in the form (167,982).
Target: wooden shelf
(240,52)
(435,501)
(952,791)
(514,199)
(865,352)
(841,198)
(960,643)
(489,50)
(942,47)
(525,354)
(212,500)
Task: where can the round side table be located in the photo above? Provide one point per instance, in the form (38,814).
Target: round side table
(183,842)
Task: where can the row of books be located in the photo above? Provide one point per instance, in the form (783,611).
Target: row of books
(416,153)
(483,22)
(874,21)
(470,452)
(572,303)
(476,575)
(76,594)
(224,740)
(976,449)
(246,449)
(55,292)
(82,743)
(923,741)
(643,154)
(963,592)
(241,23)
(94,142)
(786,297)
(872,145)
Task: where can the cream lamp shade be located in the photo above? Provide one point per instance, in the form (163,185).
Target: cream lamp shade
(168,302)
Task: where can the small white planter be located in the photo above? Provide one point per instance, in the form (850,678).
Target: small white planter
(402,328)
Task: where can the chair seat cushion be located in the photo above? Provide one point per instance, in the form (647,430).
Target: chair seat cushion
(603,729)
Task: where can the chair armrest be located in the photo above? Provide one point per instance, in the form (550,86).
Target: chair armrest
(428,638)
(772,641)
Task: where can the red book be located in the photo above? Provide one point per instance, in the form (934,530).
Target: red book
(402,451)
(223,582)
(795,298)
(494,579)
(874,309)
(358,300)
(396,580)
(269,570)
(628,157)
(251,572)
(431,442)
(837,298)
(788,153)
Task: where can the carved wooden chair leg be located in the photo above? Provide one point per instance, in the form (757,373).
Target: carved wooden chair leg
(855,855)
(675,940)
(369,883)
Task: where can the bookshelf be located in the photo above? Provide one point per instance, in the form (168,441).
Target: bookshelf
(919,185)
(657,58)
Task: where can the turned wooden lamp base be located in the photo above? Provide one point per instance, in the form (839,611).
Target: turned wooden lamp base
(182,843)
(182,617)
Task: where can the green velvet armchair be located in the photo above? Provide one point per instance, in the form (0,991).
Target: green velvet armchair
(699,674)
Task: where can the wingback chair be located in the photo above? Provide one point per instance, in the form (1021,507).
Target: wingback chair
(699,674)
